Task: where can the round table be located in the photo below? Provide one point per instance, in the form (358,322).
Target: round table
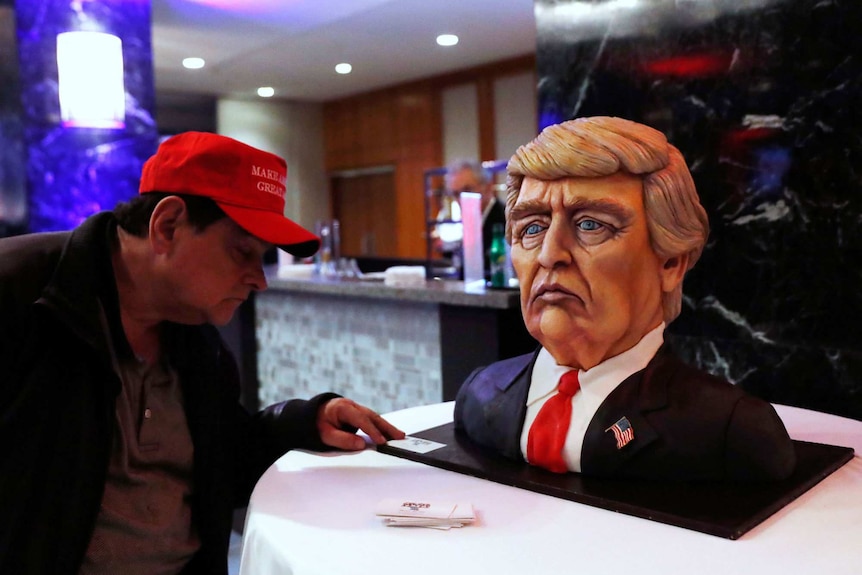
(313,514)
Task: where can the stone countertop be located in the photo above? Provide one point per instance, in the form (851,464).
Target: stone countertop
(432,291)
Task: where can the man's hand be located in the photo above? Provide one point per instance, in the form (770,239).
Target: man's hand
(338,413)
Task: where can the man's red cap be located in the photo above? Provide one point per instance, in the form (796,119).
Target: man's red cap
(247,184)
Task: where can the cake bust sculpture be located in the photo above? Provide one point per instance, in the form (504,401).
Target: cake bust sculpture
(604,221)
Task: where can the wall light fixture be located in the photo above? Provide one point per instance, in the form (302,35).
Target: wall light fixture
(90,75)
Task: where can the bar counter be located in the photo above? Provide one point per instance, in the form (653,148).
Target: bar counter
(383,346)
(445,292)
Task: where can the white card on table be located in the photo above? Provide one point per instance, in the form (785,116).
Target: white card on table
(415,444)
(415,508)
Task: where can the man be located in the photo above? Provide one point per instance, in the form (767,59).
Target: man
(470,176)
(604,221)
(123,448)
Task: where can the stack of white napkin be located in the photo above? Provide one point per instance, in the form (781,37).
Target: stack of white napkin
(401,276)
(419,513)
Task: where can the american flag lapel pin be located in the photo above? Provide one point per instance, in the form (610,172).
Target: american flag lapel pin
(623,432)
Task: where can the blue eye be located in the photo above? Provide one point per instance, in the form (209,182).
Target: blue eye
(589,225)
(532,229)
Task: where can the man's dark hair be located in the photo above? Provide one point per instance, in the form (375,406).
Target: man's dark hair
(134,215)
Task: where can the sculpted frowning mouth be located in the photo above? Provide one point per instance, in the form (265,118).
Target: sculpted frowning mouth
(551,292)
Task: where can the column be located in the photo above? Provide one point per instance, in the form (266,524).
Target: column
(77,167)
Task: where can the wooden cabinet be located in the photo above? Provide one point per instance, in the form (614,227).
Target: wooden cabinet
(401,127)
(363,203)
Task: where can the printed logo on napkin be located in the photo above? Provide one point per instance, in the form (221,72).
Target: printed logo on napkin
(420,513)
(415,444)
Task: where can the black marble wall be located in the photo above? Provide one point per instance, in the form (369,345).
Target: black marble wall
(761,97)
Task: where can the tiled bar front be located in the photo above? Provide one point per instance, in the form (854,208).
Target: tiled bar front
(387,348)
(381,355)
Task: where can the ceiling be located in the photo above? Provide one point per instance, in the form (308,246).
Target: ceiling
(294,45)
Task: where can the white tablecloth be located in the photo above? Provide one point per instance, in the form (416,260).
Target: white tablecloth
(313,514)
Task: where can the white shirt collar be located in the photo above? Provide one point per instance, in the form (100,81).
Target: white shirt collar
(602,378)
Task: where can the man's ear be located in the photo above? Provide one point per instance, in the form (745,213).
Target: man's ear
(672,272)
(164,221)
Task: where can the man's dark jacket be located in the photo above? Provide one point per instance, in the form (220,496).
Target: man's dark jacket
(58,392)
(687,424)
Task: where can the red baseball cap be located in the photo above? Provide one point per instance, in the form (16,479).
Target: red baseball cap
(247,184)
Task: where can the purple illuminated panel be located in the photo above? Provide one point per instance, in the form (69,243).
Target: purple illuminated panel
(73,171)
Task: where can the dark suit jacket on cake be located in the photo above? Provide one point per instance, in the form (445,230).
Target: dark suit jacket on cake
(688,425)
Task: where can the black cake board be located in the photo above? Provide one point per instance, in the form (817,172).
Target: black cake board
(723,509)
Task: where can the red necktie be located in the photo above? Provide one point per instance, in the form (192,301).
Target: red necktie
(548,432)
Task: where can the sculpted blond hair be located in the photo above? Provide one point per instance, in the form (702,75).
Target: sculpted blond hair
(602,146)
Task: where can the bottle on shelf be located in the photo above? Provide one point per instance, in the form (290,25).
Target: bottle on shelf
(497,257)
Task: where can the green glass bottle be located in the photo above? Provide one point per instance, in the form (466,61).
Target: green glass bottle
(497,256)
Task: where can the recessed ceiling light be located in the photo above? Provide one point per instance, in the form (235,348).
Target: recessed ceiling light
(343,68)
(193,63)
(266,92)
(447,39)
